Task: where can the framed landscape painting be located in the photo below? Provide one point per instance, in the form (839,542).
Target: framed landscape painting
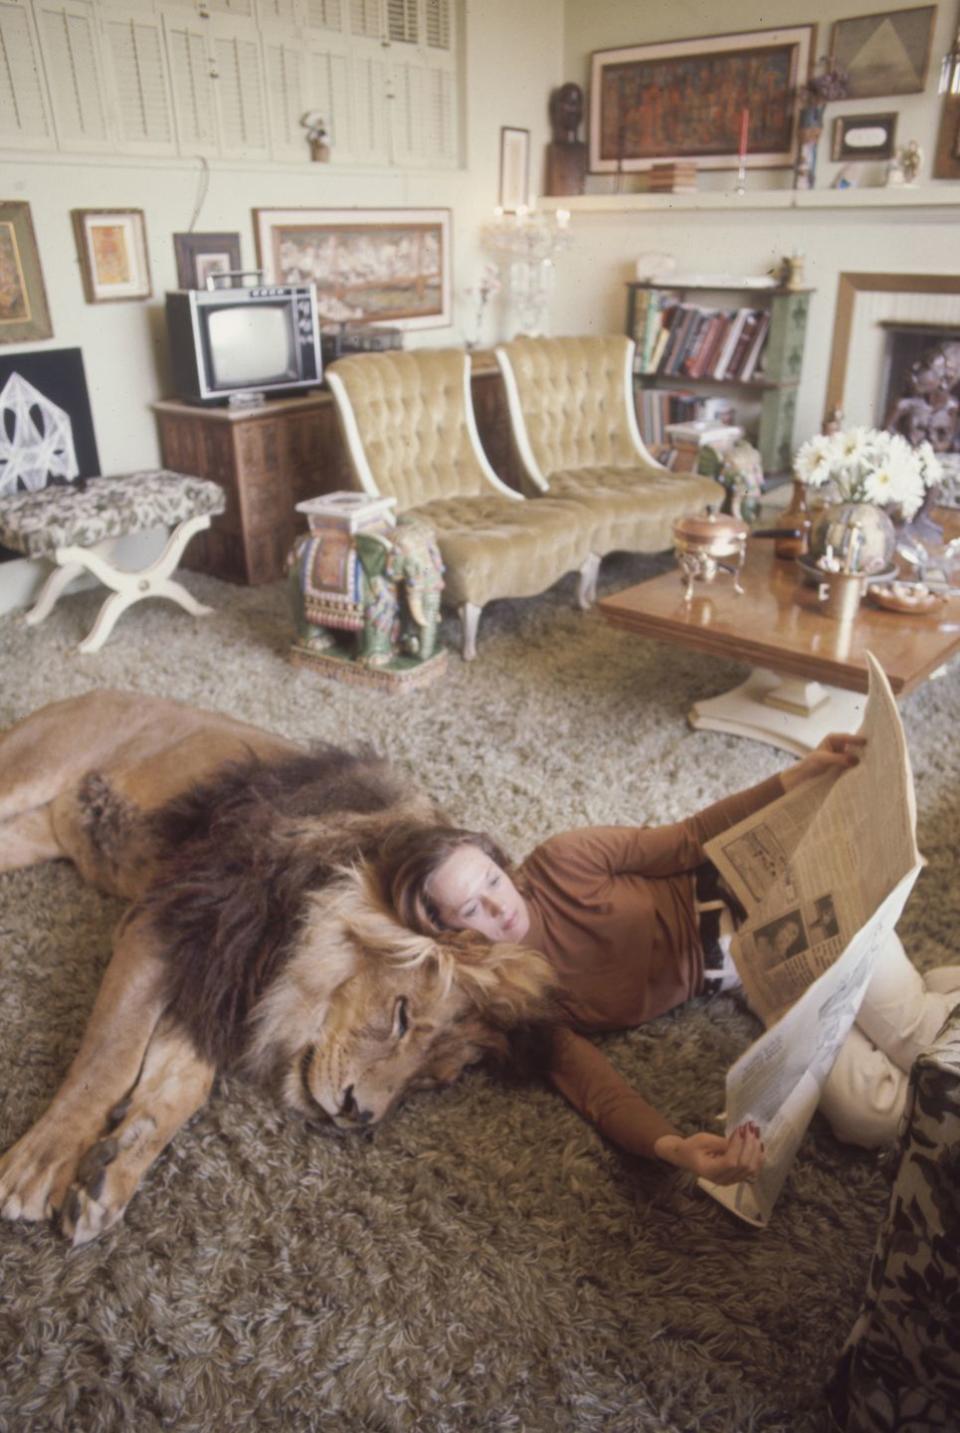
(685,99)
(24,314)
(884,54)
(386,266)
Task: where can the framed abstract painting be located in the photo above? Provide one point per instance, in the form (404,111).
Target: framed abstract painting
(884,54)
(388,266)
(112,246)
(686,99)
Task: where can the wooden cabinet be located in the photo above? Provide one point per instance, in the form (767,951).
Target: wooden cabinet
(270,458)
(766,401)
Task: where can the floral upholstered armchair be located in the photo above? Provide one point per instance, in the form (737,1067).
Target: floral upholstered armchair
(900,1368)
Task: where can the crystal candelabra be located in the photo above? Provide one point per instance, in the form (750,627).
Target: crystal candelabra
(526,245)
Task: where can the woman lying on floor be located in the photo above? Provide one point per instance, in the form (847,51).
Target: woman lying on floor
(628,918)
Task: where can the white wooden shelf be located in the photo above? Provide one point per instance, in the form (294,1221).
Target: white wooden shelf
(933,196)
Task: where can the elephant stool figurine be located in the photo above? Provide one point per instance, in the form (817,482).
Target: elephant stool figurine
(359,571)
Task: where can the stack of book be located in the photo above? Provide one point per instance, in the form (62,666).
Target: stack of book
(684,340)
(677,176)
(686,440)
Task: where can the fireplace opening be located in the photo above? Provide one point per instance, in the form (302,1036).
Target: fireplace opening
(921,386)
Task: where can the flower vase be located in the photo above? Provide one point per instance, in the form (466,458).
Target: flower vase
(861,533)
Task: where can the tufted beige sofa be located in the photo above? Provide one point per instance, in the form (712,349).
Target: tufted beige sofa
(573,418)
(410,431)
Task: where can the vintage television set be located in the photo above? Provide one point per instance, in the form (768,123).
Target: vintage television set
(230,343)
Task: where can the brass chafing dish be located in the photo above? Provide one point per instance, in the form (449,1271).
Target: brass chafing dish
(708,543)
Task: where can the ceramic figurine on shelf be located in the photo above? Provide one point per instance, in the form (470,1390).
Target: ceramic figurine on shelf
(911,161)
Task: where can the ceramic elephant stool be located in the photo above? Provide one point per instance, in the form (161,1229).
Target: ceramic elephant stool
(377,580)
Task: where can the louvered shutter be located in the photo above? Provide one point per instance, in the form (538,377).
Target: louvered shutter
(283,10)
(287,96)
(140,83)
(423,116)
(324,14)
(364,17)
(438,24)
(67,32)
(241,8)
(402,22)
(24,116)
(368,102)
(238,89)
(190,77)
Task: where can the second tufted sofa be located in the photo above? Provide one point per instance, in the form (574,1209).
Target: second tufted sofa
(409,426)
(574,422)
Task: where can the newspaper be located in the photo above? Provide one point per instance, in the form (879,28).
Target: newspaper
(823,873)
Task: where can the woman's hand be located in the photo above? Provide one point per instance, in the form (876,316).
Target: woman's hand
(837,751)
(711,1156)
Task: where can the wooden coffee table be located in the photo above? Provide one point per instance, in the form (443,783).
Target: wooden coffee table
(809,672)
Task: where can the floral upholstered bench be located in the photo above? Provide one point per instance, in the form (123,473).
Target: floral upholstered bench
(77,526)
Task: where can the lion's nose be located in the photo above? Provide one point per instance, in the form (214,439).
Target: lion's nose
(350,1110)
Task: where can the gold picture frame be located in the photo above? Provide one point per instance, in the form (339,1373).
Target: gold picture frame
(376,266)
(112,248)
(686,99)
(24,313)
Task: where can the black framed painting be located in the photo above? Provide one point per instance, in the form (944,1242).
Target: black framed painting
(47,420)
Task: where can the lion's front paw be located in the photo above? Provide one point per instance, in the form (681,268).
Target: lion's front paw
(37,1171)
(106,1179)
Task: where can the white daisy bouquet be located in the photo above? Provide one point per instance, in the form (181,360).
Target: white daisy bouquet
(867,465)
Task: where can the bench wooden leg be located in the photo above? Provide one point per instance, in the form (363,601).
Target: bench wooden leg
(129,587)
(54,587)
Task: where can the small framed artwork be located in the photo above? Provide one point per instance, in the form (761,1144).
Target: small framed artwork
(24,314)
(514,169)
(112,245)
(864,136)
(201,255)
(884,54)
(389,266)
(711,100)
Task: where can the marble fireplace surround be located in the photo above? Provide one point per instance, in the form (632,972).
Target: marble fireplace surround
(866,305)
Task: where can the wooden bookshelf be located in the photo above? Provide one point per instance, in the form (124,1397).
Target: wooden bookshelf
(775,367)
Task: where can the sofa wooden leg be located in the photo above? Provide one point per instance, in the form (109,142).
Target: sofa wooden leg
(469,622)
(587,586)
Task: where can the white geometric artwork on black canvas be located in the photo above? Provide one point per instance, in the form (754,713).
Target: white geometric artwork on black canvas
(36,439)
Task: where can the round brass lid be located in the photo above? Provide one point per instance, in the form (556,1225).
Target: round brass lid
(706,529)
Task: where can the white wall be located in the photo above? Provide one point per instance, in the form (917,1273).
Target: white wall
(514,55)
(590,293)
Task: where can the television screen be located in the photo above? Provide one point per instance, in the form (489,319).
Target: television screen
(252,343)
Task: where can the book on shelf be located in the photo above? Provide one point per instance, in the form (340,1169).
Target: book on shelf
(684,340)
(752,360)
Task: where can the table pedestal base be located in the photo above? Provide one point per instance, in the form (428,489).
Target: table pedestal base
(786,712)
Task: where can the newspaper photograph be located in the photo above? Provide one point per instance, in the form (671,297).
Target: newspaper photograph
(823,874)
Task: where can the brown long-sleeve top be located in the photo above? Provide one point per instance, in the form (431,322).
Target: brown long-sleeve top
(612,909)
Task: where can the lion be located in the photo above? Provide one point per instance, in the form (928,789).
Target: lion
(257,939)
